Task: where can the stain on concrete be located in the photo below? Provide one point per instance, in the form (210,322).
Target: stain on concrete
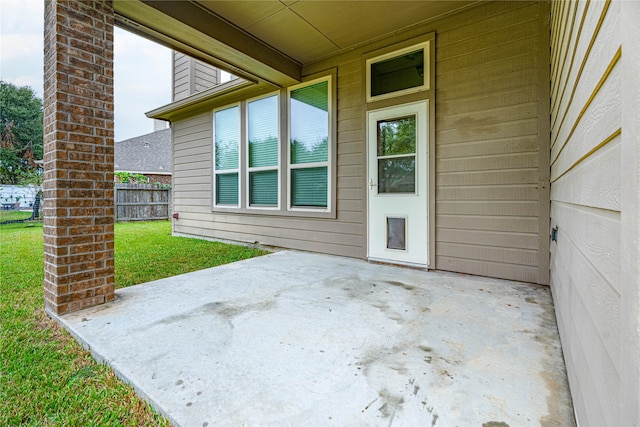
(391,404)
(225,310)
(230,310)
(495,424)
(400,284)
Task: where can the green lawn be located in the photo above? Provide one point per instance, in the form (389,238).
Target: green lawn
(14,215)
(46,378)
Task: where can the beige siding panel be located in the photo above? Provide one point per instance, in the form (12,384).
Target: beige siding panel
(462,223)
(187,166)
(488,163)
(600,361)
(488,268)
(487,116)
(485,102)
(582,72)
(489,208)
(600,121)
(193,159)
(289,222)
(293,243)
(205,76)
(180,76)
(586,180)
(515,176)
(193,153)
(488,53)
(484,131)
(562,59)
(466,84)
(478,22)
(350,147)
(516,256)
(521,144)
(594,234)
(487,193)
(489,238)
(197,125)
(595,182)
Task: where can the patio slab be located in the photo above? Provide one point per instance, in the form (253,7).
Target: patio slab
(304,339)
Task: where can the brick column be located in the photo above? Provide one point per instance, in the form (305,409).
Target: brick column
(78,154)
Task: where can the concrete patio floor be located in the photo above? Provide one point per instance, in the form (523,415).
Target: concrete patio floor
(303,339)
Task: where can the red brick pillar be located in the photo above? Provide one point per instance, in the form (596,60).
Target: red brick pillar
(78,154)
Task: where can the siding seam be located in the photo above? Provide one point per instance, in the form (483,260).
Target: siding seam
(582,66)
(594,93)
(590,152)
(556,114)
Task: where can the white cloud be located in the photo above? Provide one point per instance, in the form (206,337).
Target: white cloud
(142,69)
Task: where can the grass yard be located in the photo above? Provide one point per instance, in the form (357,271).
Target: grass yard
(46,378)
(14,215)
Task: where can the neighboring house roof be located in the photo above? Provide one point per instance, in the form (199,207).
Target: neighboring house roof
(145,154)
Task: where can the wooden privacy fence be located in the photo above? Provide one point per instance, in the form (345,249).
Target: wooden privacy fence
(142,202)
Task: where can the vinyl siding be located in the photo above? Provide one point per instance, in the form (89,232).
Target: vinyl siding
(586,202)
(191,76)
(181,76)
(491,156)
(491,142)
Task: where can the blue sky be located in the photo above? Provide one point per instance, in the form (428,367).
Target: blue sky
(142,69)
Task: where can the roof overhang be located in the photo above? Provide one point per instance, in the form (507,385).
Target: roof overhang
(233,88)
(271,41)
(193,30)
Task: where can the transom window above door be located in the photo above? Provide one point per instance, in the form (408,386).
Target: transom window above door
(398,73)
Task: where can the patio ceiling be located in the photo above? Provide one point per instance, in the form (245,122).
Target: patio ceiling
(270,40)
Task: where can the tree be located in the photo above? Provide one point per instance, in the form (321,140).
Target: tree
(20,134)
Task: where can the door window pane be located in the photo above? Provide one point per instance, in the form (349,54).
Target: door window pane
(397,136)
(397,175)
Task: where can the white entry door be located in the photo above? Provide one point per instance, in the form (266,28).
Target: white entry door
(398,223)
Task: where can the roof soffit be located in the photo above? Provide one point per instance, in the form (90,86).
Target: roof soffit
(270,40)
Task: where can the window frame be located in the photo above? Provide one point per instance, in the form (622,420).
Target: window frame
(330,143)
(227,171)
(426,77)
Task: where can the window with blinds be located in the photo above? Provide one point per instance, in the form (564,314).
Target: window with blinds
(226,158)
(309,145)
(253,169)
(263,151)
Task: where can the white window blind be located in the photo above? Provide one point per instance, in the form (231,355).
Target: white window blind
(226,162)
(263,124)
(309,145)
